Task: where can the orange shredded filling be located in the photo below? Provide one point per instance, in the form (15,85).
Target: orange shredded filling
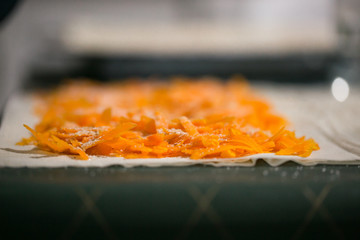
(196,118)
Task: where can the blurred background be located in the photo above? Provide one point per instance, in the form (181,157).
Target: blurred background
(303,41)
(291,43)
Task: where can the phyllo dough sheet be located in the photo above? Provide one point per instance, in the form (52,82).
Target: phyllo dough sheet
(311,112)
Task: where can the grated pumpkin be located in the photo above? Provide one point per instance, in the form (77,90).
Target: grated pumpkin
(195,118)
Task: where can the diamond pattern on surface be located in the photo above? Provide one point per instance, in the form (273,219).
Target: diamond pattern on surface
(87,207)
(204,208)
(317,206)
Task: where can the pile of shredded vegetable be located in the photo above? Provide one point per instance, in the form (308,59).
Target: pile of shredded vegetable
(195,118)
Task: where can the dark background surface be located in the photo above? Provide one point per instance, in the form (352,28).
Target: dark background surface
(286,69)
(198,202)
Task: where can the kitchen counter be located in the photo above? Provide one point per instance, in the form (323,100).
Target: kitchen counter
(285,202)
